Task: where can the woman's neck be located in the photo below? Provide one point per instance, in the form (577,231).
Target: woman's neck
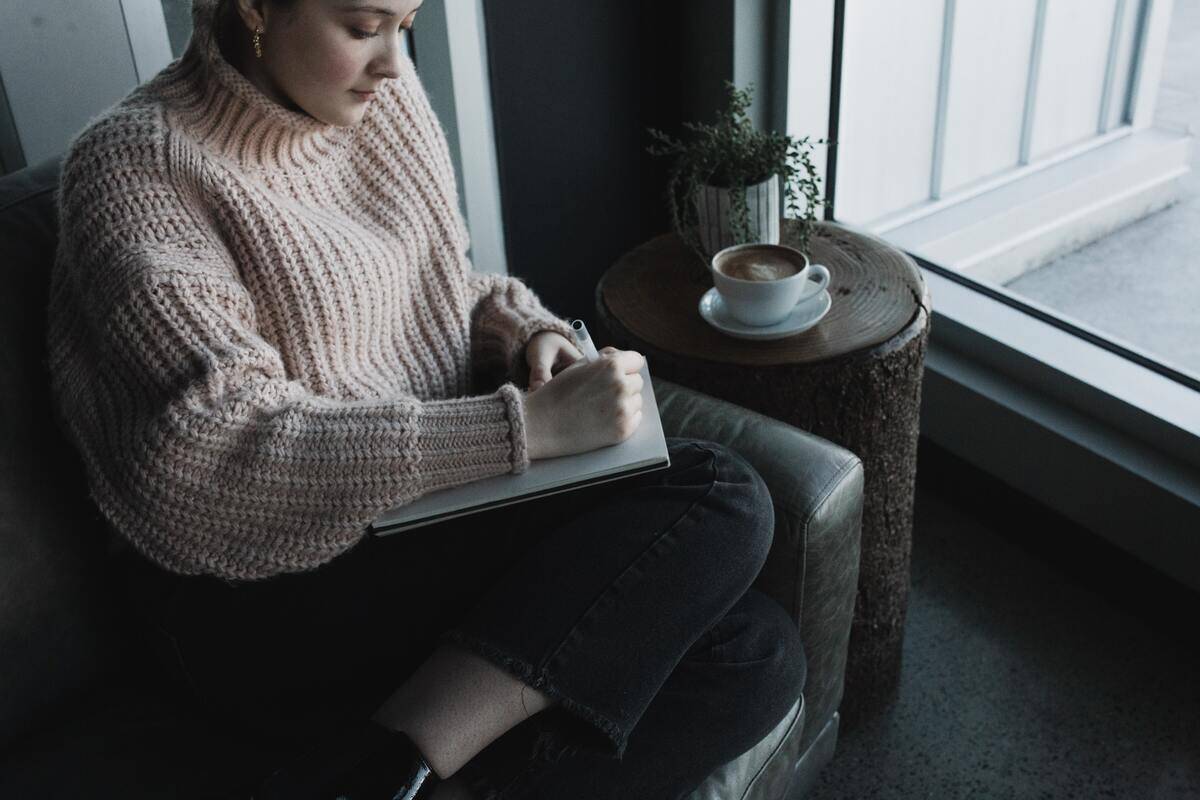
(237,50)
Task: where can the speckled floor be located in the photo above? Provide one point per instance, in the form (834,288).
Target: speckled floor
(1039,662)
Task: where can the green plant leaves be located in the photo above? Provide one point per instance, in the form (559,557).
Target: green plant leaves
(731,153)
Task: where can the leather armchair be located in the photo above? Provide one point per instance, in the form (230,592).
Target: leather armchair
(812,571)
(82,711)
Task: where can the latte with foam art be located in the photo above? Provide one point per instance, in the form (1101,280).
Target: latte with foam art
(758,265)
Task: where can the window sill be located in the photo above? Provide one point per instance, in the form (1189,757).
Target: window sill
(1109,443)
(1000,230)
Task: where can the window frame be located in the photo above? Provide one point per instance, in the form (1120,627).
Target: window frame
(1101,432)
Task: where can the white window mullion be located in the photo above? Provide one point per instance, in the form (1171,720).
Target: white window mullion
(149,44)
(1148,62)
(450,51)
(809,74)
(939,124)
(1110,66)
(476,134)
(1035,63)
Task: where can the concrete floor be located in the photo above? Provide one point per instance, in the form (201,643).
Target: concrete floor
(1156,313)
(1038,662)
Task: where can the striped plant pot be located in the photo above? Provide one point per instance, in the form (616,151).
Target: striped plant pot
(713,205)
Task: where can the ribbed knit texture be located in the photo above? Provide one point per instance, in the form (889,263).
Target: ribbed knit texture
(264,330)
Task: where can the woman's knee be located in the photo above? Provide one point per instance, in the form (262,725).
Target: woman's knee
(775,637)
(744,496)
(766,641)
(758,649)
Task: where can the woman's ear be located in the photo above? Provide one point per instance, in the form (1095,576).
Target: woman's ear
(252,12)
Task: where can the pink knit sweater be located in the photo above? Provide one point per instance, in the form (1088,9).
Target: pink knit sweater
(264,330)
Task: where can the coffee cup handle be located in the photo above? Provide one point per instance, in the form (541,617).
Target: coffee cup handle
(818,274)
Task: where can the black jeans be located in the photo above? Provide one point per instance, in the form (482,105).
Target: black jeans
(628,603)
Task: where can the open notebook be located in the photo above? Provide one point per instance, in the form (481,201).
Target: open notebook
(644,451)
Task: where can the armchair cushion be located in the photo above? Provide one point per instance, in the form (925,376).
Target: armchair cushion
(757,772)
(812,571)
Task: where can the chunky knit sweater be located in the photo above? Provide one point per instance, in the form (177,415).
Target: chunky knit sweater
(264,330)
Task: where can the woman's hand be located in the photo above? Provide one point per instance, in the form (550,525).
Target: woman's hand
(588,405)
(546,353)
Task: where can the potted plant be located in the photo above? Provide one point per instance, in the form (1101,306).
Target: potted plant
(727,168)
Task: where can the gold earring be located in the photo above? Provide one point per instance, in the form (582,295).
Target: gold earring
(258,32)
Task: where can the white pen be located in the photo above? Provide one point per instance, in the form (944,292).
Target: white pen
(583,340)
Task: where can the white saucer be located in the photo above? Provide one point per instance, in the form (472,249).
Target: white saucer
(805,315)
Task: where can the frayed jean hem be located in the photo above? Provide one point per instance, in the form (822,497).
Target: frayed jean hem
(595,731)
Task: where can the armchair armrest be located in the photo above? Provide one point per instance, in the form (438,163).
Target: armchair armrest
(817,491)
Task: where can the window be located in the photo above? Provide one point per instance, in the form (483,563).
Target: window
(1034,156)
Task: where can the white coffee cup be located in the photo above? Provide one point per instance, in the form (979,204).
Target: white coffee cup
(765,293)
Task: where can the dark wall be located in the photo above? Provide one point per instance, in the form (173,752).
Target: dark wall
(574,87)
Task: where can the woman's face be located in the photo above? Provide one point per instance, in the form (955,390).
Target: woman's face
(320,55)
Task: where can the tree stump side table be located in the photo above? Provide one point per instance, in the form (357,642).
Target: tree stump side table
(854,379)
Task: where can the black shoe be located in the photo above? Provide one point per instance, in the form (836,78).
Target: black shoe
(363,761)
(397,771)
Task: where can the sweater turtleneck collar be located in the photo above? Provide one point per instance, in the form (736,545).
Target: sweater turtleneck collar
(228,114)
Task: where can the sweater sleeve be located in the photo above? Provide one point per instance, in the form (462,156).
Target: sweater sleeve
(205,454)
(505,315)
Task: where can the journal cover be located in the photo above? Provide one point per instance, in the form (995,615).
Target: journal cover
(644,451)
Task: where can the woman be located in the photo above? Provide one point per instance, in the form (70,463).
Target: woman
(264,331)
